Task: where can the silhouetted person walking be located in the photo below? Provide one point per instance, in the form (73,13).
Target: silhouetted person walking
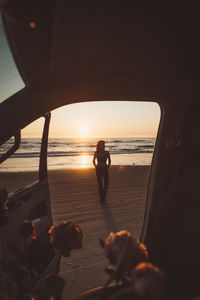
(102,161)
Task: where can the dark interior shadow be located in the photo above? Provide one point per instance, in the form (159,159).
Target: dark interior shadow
(110,222)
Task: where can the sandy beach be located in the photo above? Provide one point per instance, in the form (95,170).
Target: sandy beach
(74,197)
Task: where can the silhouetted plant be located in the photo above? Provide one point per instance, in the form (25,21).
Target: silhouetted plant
(124,252)
(65,237)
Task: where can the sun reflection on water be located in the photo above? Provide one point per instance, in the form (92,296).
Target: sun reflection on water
(85,161)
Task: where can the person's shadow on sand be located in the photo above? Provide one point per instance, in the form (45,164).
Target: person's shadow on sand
(110,222)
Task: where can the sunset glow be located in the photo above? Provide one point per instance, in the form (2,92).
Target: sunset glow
(101,120)
(85,160)
(83,129)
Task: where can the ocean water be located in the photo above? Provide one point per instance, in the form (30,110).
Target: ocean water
(77,153)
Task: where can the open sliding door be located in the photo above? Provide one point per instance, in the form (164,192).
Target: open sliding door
(23,255)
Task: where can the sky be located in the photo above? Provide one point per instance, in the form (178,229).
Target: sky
(101,120)
(10,81)
(89,119)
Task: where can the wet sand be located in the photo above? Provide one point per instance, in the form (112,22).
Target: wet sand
(74,197)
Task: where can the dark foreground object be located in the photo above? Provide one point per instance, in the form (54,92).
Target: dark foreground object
(112,292)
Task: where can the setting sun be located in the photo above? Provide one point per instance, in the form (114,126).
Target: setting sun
(83,129)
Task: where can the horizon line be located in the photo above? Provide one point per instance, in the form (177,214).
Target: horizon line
(92,137)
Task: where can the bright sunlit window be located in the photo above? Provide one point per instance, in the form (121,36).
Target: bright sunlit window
(11,81)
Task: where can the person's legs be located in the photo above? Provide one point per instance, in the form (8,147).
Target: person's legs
(100,182)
